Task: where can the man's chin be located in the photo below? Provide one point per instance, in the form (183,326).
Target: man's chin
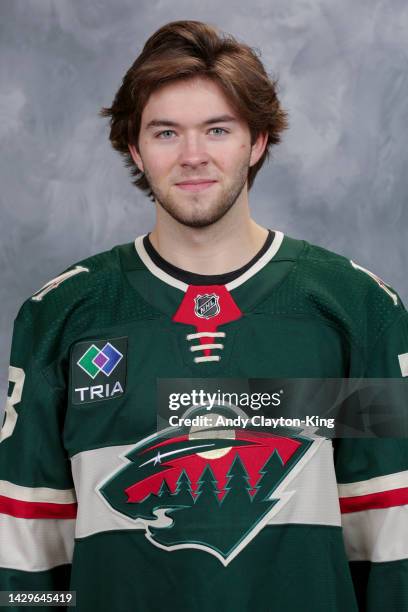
(200,223)
(197,221)
(209,214)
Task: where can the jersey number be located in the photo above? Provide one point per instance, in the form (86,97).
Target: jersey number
(54,282)
(16,376)
(378,280)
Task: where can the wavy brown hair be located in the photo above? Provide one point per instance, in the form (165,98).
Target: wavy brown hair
(184,50)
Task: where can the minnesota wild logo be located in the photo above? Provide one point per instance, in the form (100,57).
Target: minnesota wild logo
(211,489)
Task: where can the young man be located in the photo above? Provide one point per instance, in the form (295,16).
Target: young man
(92,497)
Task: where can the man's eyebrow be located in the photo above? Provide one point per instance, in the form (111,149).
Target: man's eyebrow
(170,123)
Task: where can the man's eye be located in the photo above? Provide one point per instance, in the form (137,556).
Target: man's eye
(161,134)
(221,129)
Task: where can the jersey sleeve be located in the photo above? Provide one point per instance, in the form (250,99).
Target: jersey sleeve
(372,477)
(37,496)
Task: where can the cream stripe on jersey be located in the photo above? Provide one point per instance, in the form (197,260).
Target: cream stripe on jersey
(35,545)
(372,535)
(154,269)
(170,280)
(258,265)
(37,494)
(374,485)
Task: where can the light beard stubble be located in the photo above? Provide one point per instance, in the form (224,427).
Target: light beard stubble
(223,204)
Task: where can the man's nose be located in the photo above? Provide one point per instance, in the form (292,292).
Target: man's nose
(193,151)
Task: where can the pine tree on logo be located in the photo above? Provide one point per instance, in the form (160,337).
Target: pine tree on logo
(207,490)
(164,490)
(184,494)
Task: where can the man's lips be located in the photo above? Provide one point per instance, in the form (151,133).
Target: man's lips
(198,185)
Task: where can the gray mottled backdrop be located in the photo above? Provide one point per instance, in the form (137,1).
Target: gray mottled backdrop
(339,179)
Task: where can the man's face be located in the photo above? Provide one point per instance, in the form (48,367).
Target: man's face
(189,133)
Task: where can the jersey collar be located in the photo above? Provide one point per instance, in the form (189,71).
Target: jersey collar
(178,284)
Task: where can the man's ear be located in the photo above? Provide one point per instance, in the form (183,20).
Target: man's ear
(258,148)
(136,157)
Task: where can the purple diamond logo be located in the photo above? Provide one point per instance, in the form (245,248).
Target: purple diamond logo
(100,360)
(112,356)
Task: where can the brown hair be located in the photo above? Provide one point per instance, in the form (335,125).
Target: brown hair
(187,49)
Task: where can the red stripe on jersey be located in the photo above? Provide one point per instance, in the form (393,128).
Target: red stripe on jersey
(374,501)
(37,510)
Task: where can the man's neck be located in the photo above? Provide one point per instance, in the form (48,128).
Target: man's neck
(219,248)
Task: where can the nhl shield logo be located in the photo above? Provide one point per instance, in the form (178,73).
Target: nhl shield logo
(206,305)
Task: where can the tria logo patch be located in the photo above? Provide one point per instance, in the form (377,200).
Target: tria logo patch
(209,489)
(98,370)
(105,360)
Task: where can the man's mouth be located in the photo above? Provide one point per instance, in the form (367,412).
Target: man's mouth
(196,185)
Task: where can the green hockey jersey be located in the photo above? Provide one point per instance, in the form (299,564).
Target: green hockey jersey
(95,499)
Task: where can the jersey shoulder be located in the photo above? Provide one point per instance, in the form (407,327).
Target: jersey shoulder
(90,295)
(79,281)
(346,277)
(355,294)
(334,291)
